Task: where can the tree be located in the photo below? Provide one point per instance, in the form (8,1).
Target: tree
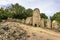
(19,12)
(56,17)
(15,10)
(3,14)
(29,12)
(43,16)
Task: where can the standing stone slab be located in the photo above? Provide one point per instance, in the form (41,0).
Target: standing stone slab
(48,24)
(23,21)
(28,20)
(36,17)
(42,23)
(55,25)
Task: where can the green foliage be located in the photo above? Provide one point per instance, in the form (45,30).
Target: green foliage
(3,14)
(17,11)
(56,17)
(3,17)
(43,16)
(29,12)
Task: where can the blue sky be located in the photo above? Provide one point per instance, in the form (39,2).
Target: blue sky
(49,7)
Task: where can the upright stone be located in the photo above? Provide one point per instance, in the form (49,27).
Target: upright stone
(28,20)
(23,21)
(48,24)
(36,17)
(55,25)
(42,23)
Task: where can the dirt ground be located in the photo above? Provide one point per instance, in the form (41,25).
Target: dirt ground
(36,33)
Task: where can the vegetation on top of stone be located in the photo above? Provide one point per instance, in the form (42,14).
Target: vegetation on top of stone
(56,17)
(43,16)
(19,12)
(16,11)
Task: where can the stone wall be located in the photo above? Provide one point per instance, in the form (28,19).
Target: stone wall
(36,20)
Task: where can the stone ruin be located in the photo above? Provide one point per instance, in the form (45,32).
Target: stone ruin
(55,25)
(37,21)
(42,23)
(48,24)
(28,20)
(36,17)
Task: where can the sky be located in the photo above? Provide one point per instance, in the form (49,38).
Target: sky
(49,7)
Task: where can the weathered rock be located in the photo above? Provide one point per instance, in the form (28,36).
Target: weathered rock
(23,21)
(42,23)
(48,24)
(55,25)
(12,33)
(28,20)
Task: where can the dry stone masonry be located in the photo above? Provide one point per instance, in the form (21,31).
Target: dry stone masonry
(36,17)
(37,21)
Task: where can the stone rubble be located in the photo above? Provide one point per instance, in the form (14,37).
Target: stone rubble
(12,33)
